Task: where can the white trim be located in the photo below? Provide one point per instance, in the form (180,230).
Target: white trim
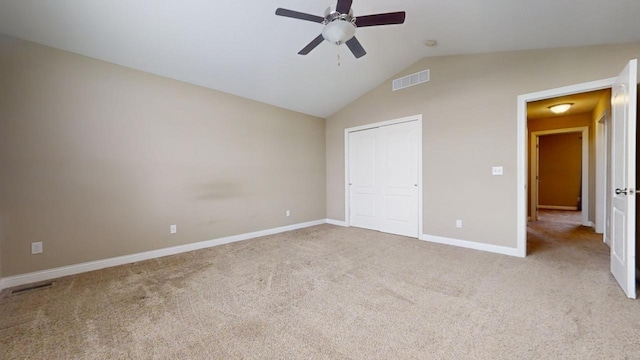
(521,177)
(521,150)
(601,128)
(420,149)
(584,196)
(417,118)
(384,123)
(336,222)
(346,177)
(556,207)
(42,275)
(504,250)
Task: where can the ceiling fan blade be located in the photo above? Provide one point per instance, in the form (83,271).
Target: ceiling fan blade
(381,19)
(343,6)
(356,48)
(312,45)
(299,15)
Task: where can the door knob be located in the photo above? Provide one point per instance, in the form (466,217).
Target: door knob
(623,191)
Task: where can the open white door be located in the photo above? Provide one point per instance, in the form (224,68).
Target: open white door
(623,178)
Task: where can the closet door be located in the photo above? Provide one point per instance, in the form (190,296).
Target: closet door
(383,179)
(397,177)
(363,185)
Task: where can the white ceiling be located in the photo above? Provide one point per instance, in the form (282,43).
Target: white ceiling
(243,48)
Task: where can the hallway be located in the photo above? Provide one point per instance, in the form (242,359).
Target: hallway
(561,216)
(560,232)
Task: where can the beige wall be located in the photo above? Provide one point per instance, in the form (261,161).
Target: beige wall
(560,169)
(559,122)
(98,160)
(469,112)
(604,105)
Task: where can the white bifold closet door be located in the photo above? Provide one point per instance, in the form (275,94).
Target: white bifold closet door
(383,179)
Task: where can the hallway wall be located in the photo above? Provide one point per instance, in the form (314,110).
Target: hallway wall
(560,170)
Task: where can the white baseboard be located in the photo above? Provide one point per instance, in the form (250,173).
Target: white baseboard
(556,207)
(471,245)
(49,274)
(337,222)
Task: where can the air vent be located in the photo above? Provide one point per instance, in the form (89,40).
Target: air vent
(410,80)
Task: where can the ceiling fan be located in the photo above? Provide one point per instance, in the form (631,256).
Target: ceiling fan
(340,25)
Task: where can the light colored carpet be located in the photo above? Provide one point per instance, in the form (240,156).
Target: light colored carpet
(331,292)
(564,216)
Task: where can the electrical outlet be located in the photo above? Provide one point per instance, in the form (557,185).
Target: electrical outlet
(288,212)
(497,170)
(173,229)
(36,247)
(459,224)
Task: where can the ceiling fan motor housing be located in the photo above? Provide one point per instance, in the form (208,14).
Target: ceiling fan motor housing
(339,28)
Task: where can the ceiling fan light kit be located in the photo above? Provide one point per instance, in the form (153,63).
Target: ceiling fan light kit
(340,25)
(340,29)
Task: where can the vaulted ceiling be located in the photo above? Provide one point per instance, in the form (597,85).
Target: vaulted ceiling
(243,48)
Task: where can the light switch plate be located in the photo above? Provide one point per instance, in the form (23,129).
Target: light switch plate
(496,170)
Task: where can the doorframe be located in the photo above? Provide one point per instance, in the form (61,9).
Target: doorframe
(417,118)
(584,196)
(521,148)
(602,162)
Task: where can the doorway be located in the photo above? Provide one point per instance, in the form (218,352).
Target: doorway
(621,188)
(522,153)
(559,171)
